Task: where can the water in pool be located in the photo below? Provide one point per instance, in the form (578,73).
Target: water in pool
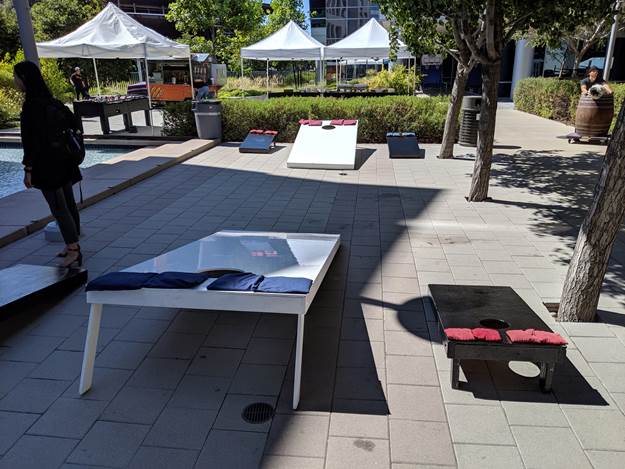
(11,169)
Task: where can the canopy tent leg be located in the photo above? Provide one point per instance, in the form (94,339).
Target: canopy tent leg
(139,70)
(267,77)
(241,70)
(97,80)
(414,77)
(147,82)
(191,77)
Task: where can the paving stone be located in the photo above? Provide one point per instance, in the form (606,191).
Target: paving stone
(109,444)
(59,325)
(68,418)
(217,362)
(532,409)
(193,322)
(30,348)
(163,458)
(136,405)
(258,380)
(601,349)
(60,365)
(12,373)
(272,461)
(406,343)
(545,448)
(142,330)
(406,321)
(298,435)
(262,351)
(612,375)
(421,443)
(124,355)
(358,425)
(76,341)
(493,428)
(362,329)
(411,370)
(482,456)
(232,449)
(229,335)
(606,459)
(181,428)
(415,403)
(161,314)
(598,429)
(200,392)
(106,383)
(116,317)
(161,373)
(276,326)
(478,390)
(357,452)
(360,383)
(37,452)
(230,414)
(33,395)
(176,345)
(12,427)
(356,353)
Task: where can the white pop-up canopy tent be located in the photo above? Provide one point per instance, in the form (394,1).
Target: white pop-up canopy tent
(112,34)
(371,40)
(288,43)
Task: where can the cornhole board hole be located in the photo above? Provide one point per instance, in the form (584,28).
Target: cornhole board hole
(23,283)
(260,141)
(497,308)
(403,145)
(324,146)
(297,255)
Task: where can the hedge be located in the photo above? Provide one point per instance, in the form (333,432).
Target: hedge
(377,115)
(556,99)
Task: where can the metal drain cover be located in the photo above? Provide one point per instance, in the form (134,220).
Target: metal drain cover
(258,412)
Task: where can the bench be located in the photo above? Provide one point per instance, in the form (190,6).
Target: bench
(500,308)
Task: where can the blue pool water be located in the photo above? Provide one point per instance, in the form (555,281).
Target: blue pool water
(11,169)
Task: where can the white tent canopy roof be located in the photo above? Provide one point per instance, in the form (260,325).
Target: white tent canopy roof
(112,34)
(288,43)
(371,40)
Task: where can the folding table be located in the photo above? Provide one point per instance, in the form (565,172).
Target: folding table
(263,253)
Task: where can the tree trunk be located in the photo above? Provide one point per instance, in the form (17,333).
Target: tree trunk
(589,263)
(455,104)
(486,135)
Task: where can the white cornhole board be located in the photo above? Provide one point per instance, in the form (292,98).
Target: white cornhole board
(264,253)
(319,148)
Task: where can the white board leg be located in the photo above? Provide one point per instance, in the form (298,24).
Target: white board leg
(299,347)
(91,344)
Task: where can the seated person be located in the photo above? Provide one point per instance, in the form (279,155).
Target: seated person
(202,92)
(594,78)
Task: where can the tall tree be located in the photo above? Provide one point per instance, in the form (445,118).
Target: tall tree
(589,263)
(221,22)
(53,19)
(9,32)
(424,34)
(283,11)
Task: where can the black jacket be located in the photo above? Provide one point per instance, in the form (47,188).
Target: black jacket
(48,172)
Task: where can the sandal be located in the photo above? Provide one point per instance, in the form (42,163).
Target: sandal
(70,259)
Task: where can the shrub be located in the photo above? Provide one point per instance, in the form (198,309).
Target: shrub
(556,99)
(236,93)
(400,78)
(377,115)
(178,120)
(10,106)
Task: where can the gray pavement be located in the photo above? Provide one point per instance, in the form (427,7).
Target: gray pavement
(170,384)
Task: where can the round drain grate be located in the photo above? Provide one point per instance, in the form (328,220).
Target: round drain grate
(259,412)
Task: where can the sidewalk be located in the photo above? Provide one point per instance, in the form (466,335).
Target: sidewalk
(170,384)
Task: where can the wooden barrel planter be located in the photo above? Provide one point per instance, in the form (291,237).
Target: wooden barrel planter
(594,116)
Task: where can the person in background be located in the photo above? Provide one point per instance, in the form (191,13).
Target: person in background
(203,92)
(79,84)
(52,176)
(594,77)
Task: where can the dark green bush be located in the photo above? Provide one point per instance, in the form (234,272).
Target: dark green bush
(556,99)
(178,120)
(377,115)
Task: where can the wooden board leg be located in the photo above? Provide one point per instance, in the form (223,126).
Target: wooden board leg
(547,371)
(91,344)
(455,373)
(299,348)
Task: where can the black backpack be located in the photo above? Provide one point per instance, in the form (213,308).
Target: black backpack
(64,133)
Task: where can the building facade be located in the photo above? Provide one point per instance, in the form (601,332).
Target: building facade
(332,20)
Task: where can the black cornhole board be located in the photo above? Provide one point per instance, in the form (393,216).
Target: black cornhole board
(466,306)
(403,145)
(22,283)
(257,143)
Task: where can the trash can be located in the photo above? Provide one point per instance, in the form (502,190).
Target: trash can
(467,136)
(208,119)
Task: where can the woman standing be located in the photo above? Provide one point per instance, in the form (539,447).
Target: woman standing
(42,169)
